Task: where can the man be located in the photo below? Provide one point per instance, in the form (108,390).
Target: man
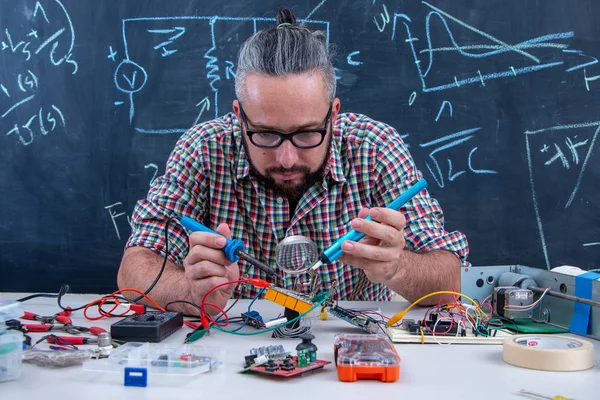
(286,162)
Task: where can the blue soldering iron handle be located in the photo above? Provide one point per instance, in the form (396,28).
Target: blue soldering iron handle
(230,249)
(335,250)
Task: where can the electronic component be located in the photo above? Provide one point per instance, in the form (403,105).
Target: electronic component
(366,357)
(307,351)
(253,319)
(289,299)
(509,302)
(363,322)
(285,368)
(152,326)
(275,322)
(274,360)
(430,326)
(273,352)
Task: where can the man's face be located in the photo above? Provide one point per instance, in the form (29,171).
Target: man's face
(286,105)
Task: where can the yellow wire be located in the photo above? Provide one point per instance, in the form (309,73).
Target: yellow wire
(401,314)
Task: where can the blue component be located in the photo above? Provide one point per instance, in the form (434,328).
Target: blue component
(335,250)
(230,249)
(136,377)
(254,319)
(581,312)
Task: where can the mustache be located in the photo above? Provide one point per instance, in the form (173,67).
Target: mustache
(282,170)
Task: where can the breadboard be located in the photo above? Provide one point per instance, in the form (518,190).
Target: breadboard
(401,335)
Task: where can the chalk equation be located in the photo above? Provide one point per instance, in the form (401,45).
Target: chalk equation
(436,50)
(118,211)
(570,147)
(447,54)
(25,117)
(489,46)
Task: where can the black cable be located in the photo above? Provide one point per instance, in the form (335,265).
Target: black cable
(64,289)
(33,296)
(182,301)
(162,269)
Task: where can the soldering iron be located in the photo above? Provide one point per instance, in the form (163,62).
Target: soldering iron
(335,250)
(234,248)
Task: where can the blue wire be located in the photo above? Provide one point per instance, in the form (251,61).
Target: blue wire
(255,298)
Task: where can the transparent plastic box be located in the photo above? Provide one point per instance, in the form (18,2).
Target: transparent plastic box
(157,358)
(366,357)
(11,342)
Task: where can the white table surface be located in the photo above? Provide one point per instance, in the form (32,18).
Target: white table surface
(428,371)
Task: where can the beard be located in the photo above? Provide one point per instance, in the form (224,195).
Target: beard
(293,192)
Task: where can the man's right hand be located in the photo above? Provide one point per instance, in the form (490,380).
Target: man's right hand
(206,267)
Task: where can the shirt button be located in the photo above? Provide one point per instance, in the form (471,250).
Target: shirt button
(279,200)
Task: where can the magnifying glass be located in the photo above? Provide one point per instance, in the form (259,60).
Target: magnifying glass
(296,254)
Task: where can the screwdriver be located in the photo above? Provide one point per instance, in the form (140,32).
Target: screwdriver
(335,250)
(234,248)
(74,340)
(533,395)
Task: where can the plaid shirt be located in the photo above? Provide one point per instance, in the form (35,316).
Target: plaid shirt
(207,178)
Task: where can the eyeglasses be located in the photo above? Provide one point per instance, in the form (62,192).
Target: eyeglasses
(305,139)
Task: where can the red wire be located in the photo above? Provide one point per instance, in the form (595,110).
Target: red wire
(112,297)
(203,304)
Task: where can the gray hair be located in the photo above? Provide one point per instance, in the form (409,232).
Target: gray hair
(285,50)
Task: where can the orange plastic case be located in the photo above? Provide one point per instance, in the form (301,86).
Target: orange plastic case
(366,357)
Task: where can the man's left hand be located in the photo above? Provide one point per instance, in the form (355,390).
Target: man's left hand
(380,252)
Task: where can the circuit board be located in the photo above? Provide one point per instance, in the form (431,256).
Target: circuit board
(365,324)
(287,368)
(413,331)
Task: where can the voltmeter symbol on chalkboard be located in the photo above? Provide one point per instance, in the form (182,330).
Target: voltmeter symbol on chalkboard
(130,77)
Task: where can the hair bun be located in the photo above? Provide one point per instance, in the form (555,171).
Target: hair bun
(285,17)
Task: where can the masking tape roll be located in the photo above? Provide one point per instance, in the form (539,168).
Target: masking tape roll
(548,352)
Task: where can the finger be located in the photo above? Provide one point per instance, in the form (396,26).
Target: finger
(198,253)
(363,213)
(224,230)
(370,241)
(213,240)
(368,252)
(385,233)
(205,269)
(388,216)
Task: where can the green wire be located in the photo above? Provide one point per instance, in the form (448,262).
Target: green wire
(318,300)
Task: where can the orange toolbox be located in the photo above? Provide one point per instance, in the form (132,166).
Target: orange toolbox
(366,357)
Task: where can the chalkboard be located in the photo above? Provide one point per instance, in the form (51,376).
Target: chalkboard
(497,99)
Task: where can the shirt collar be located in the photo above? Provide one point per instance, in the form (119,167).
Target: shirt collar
(333,168)
(243,166)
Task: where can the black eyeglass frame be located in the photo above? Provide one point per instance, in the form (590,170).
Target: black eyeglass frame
(287,136)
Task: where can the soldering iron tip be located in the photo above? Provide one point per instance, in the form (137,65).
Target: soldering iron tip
(316,265)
